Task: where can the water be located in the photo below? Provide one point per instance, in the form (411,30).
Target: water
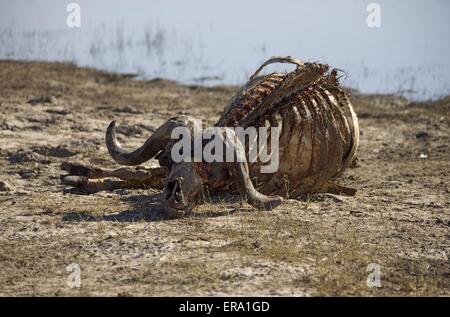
(222,42)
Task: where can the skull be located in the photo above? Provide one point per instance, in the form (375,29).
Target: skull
(183,189)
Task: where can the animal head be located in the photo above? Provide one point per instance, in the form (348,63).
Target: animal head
(185,180)
(183,189)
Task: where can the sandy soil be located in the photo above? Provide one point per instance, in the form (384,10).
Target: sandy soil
(50,113)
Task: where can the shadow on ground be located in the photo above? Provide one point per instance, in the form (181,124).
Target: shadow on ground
(150,208)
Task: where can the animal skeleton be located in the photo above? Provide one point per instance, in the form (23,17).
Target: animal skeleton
(319,138)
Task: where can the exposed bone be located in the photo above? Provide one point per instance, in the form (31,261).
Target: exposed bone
(278,59)
(241,177)
(155,144)
(319,138)
(84,185)
(90,179)
(320,132)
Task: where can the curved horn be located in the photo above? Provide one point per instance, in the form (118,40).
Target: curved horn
(156,143)
(241,176)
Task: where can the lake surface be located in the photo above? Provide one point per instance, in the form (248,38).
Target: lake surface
(222,42)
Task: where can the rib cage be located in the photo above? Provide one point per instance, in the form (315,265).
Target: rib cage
(319,129)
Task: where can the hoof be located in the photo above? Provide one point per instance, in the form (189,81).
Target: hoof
(80,184)
(75,169)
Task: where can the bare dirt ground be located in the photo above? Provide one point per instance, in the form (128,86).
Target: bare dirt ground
(50,113)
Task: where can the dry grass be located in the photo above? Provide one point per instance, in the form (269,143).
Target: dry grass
(125,245)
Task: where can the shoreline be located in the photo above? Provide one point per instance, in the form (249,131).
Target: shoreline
(137,77)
